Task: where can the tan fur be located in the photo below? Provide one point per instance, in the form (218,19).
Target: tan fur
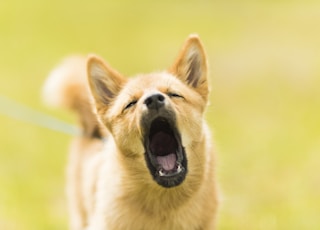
(109,184)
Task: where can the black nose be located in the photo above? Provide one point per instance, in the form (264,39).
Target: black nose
(154,101)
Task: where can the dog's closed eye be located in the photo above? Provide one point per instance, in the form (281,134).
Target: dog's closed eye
(171,94)
(130,104)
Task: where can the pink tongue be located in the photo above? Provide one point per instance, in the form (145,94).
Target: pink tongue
(167,162)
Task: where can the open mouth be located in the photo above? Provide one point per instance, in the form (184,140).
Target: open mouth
(165,155)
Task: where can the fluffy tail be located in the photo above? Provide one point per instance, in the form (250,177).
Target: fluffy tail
(67,86)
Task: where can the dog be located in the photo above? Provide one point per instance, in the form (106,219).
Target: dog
(144,159)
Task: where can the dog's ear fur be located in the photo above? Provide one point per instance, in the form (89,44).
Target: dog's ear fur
(105,83)
(191,66)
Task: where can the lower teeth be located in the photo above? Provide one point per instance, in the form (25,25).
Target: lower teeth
(177,170)
(161,172)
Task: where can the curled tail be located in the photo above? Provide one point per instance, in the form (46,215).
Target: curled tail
(67,86)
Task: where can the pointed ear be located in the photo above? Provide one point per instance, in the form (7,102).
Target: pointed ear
(105,83)
(191,66)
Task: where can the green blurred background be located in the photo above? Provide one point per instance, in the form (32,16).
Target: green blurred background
(265,101)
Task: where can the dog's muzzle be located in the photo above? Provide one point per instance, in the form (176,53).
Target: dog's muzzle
(164,152)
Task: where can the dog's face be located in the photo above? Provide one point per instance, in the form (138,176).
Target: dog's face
(155,119)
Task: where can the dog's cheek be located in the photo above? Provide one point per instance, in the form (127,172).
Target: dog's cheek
(190,125)
(126,136)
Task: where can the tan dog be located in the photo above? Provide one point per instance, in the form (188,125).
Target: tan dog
(145,161)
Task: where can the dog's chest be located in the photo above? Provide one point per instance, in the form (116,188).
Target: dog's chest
(123,217)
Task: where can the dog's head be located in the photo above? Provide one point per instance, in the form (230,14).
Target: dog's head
(156,119)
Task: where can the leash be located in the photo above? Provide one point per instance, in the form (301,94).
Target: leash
(20,112)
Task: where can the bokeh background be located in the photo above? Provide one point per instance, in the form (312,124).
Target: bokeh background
(265,102)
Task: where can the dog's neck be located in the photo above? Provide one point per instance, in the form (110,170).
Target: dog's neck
(143,192)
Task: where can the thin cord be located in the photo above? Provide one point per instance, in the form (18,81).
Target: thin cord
(18,111)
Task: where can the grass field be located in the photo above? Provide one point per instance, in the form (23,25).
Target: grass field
(265,101)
